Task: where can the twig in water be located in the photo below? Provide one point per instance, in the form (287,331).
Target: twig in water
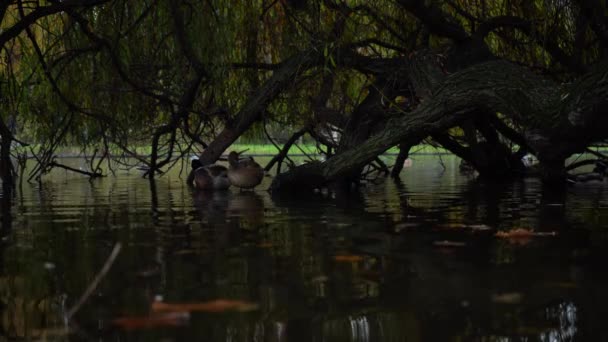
(94,174)
(442,164)
(93,285)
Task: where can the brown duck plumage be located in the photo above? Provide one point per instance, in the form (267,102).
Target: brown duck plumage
(210,177)
(246,173)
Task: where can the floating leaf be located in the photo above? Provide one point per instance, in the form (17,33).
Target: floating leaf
(51,332)
(519,233)
(168,319)
(535,330)
(452,226)
(563,285)
(149,272)
(348,258)
(515,233)
(265,245)
(507,298)
(185,252)
(479,227)
(449,244)
(408,225)
(518,236)
(219,305)
(320,279)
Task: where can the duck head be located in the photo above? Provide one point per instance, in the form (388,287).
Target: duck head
(233,159)
(600,167)
(196,164)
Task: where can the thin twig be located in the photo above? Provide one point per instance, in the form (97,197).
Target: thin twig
(596,153)
(93,174)
(93,285)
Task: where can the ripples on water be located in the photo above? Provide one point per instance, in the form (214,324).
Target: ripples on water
(396,261)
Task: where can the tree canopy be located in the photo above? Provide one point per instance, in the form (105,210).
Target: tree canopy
(488,80)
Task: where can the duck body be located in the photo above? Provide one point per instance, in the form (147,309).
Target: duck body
(244,174)
(598,175)
(210,177)
(466,168)
(586,178)
(590,177)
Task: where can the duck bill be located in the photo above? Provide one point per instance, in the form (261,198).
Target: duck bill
(239,153)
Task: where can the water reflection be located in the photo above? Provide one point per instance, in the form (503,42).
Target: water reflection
(358,266)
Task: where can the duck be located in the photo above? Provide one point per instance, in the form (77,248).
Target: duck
(210,177)
(598,174)
(529,160)
(466,168)
(244,174)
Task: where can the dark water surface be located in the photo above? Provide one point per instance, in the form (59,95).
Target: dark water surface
(397,261)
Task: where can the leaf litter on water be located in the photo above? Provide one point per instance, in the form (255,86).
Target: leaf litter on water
(216,306)
(156,320)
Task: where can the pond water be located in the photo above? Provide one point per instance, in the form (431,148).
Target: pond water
(415,260)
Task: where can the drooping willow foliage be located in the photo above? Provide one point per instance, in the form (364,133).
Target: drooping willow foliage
(159,79)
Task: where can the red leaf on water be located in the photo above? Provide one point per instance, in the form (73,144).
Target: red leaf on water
(169,319)
(515,233)
(521,236)
(265,245)
(219,305)
(522,233)
(348,258)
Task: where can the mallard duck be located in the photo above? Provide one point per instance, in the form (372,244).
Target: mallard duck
(598,174)
(466,168)
(210,177)
(246,173)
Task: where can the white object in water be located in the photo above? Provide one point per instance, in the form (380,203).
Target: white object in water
(529,160)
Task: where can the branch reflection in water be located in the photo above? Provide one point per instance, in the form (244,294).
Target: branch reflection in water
(362,265)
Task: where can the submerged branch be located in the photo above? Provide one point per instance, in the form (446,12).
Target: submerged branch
(94,174)
(278,159)
(93,285)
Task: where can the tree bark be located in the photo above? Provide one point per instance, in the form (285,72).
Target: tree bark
(404,152)
(558,121)
(255,105)
(6,167)
(278,159)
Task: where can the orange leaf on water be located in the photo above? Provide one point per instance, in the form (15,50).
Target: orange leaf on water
(507,298)
(219,305)
(169,319)
(521,236)
(517,233)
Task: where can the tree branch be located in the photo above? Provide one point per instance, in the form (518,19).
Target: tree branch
(43,11)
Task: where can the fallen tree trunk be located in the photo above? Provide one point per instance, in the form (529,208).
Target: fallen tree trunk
(6,168)
(256,104)
(556,119)
(252,110)
(287,72)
